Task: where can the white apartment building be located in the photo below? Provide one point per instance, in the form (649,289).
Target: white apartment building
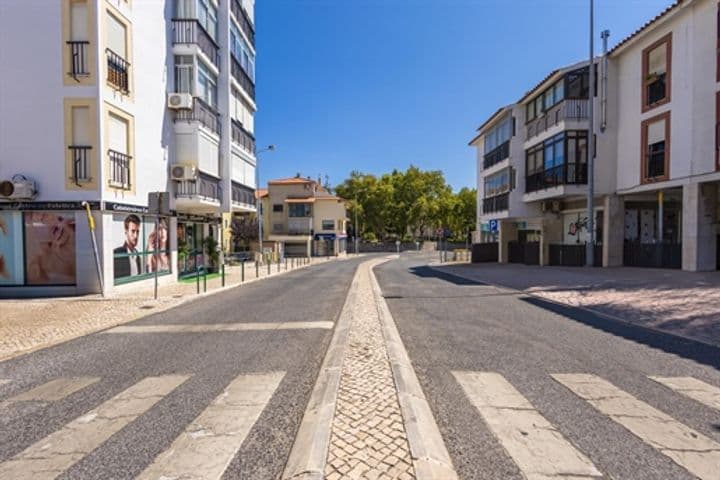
(656,168)
(108,101)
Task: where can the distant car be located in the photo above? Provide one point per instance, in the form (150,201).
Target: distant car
(238,257)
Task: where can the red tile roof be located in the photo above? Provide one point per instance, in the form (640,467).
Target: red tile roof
(647,25)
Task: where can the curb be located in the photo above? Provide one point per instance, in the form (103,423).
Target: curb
(310,448)
(430,456)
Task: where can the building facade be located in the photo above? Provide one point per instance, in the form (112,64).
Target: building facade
(131,97)
(303,218)
(656,107)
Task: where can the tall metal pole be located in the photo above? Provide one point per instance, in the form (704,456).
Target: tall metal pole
(258,203)
(590,244)
(91,225)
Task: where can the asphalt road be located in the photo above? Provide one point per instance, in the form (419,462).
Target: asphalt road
(210,360)
(449,324)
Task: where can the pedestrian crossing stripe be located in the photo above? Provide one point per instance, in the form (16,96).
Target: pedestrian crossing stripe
(693,388)
(53,390)
(695,452)
(208,445)
(537,447)
(51,456)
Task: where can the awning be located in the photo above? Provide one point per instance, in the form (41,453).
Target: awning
(300,200)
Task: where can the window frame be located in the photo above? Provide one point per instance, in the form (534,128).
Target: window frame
(275,208)
(324,223)
(644,83)
(644,179)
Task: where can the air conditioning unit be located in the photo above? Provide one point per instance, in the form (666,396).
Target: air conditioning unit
(180,101)
(18,188)
(183,172)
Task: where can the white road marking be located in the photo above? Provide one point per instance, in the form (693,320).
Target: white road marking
(221,327)
(538,448)
(690,449)
(209,443)
(696,389)
(53,390)
(57,452)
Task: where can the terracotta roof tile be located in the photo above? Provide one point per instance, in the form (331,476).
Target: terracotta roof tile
(647,24)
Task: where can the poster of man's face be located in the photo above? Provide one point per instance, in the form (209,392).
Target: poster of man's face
(50,248)
(127,255)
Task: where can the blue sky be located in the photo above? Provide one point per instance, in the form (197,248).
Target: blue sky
(373,85)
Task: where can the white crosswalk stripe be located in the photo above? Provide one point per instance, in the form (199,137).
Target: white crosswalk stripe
(695,452)
(693,388)
(538,448)
(207,446)
(222,327)
(53,390)
(57,452)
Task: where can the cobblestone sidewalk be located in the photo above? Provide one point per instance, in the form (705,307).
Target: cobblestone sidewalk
(368,438)
(30,324)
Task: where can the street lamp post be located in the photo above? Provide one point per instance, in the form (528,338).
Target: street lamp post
(590,244)
(258,200)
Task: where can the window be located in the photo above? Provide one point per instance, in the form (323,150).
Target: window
(656,148)
(499,183)
(207,16)
(577,84)
(277,207)
(119,175)
(328,224)
(300,210)
(207,85)
(499,134)
(656,73)
(184,77)
(241,52)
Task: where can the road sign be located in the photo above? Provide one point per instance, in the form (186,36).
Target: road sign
(493,225)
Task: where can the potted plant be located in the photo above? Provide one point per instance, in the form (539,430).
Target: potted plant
(211,248)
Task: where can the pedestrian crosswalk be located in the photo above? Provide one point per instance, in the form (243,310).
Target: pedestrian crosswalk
(540,450)
(53,390)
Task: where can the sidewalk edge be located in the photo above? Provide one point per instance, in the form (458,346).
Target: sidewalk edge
(430,456)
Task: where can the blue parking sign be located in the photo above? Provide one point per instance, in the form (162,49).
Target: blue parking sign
(493,225)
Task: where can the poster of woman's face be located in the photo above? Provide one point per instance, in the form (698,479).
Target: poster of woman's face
(11,248)
(50,248)
(158,238)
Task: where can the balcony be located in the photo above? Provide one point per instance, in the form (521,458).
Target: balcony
(187,31)
(205,188)
(497,155)
(243,19)
(201,112)
(242,137)
(498,203)
(80,166)
(565,174)
(242,195)
(567,110)
(299,226)
(78,59)
(119,169)
(117,71)
(242,78)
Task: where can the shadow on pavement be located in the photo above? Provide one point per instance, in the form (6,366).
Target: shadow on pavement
(690,349)
(429,272)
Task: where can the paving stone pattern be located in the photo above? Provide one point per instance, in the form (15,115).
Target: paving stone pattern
(368,439)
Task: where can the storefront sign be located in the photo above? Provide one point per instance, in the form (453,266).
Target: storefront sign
(184,217)
(122,207)
(47,206)
(325,236)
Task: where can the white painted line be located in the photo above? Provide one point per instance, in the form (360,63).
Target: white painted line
(53,390)
(221,327)
(57,452)
(690,449)
(691,387)
(536,446)
(207,446)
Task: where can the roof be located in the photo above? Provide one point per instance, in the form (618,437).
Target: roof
(300,200)
(291,181)
(538,85)
(329,197)
(648,24)
(261,192)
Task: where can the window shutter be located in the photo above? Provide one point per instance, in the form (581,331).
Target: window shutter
(78,21)
(81,126)
(656,132)
(117,134)
(116,36)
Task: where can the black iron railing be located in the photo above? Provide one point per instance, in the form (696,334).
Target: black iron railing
(189,30)
(204,186)
(242,194)
(497,155)
(653,255)
(243,20)
(242,137)
(119,169)
(527,253)
(656,90)
(201,112)
(572,109)
(78,59)
(496,204)
(656,164)
(80,165)
(565,174)
(484,252)
(574,255)
(118,71)
(242,78)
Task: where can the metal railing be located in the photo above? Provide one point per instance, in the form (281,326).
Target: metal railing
(242,194)
(242,78)
(204,186)
(497,155)
(565,174)
(496,204)
(242,137)
(656,90)
(243,20)
(190,30)
(80,166)
(201,112)
(78,59)
(652,255)
(117,71)
(119,169)
(573,255)
(656,164)
(572,109)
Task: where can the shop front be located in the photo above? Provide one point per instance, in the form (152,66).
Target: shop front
(198,240)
